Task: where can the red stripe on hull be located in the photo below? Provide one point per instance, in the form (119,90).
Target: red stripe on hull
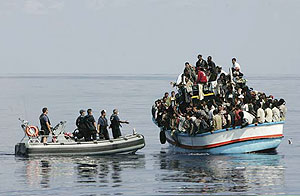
(227,142)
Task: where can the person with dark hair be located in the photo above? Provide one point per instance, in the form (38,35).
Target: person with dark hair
(90,123)
(260,113)
(102,126)
(201,79)
(189,72)
(235,65)
(268,112)
(201,63)
(45,125)
(237,117)
(217,120)
(81,127)
(211,65)
(282,109)
(116,124)
(247,118)
(275,111)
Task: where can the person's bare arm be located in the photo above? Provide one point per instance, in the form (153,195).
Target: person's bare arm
(125,122)
(98,128)
(95,124)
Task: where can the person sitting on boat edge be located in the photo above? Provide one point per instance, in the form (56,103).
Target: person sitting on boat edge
(268,112)
(275,111)
(81,127)
(235,65)
(260,113)
(116,124)
(282,109)
(45,125)
(217,120)
(90,124)
(102,126)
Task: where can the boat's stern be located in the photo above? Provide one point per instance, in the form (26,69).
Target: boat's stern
(21,149)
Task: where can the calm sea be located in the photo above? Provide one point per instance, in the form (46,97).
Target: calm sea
(154,170)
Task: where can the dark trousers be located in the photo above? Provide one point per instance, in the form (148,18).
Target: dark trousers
(88,134)
(104,133)
(116,132)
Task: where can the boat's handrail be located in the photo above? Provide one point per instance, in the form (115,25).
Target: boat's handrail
(229,129)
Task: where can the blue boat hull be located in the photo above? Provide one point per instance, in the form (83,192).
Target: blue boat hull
(240,147)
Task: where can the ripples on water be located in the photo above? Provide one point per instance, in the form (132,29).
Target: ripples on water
(156,169)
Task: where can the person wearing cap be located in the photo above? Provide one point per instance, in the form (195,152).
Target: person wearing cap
(102,125)
(116,124)
(81,128)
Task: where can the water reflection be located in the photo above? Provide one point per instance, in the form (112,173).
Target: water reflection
(102,172)
(38,172)
(196,173)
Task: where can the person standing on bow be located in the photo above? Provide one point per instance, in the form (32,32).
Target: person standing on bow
(45,125)
(116,124)
(102,125)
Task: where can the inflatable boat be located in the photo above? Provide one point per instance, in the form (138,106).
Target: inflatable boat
(63,143)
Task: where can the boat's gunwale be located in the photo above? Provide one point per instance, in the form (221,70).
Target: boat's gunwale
(228,129)
(126,138)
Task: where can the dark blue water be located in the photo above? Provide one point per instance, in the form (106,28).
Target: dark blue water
(154,170)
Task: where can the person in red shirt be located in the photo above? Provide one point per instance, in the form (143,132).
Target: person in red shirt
(238,118)
(201,79)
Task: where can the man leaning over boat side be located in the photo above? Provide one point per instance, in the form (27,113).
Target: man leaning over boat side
(116,123)
(45,125)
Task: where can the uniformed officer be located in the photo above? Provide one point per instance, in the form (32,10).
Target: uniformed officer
(45,125)
(116,124)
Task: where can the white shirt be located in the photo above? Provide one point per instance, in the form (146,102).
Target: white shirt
(283,111)
(179,79)
(276,114)
(269,115)
(236,65)
(245,107)
(180,125)
(261,115)
(249,117)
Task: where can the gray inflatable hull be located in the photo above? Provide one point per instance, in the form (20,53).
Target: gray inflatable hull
(126,144)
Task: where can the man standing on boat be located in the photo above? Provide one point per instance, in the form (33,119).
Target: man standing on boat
(81,127)
(102,125)
(45,125)
(201,63)
(91,126)
(116,124)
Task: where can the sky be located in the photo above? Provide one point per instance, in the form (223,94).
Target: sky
(147,36)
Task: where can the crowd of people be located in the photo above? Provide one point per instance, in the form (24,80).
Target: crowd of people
(87,127)
(210,99)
